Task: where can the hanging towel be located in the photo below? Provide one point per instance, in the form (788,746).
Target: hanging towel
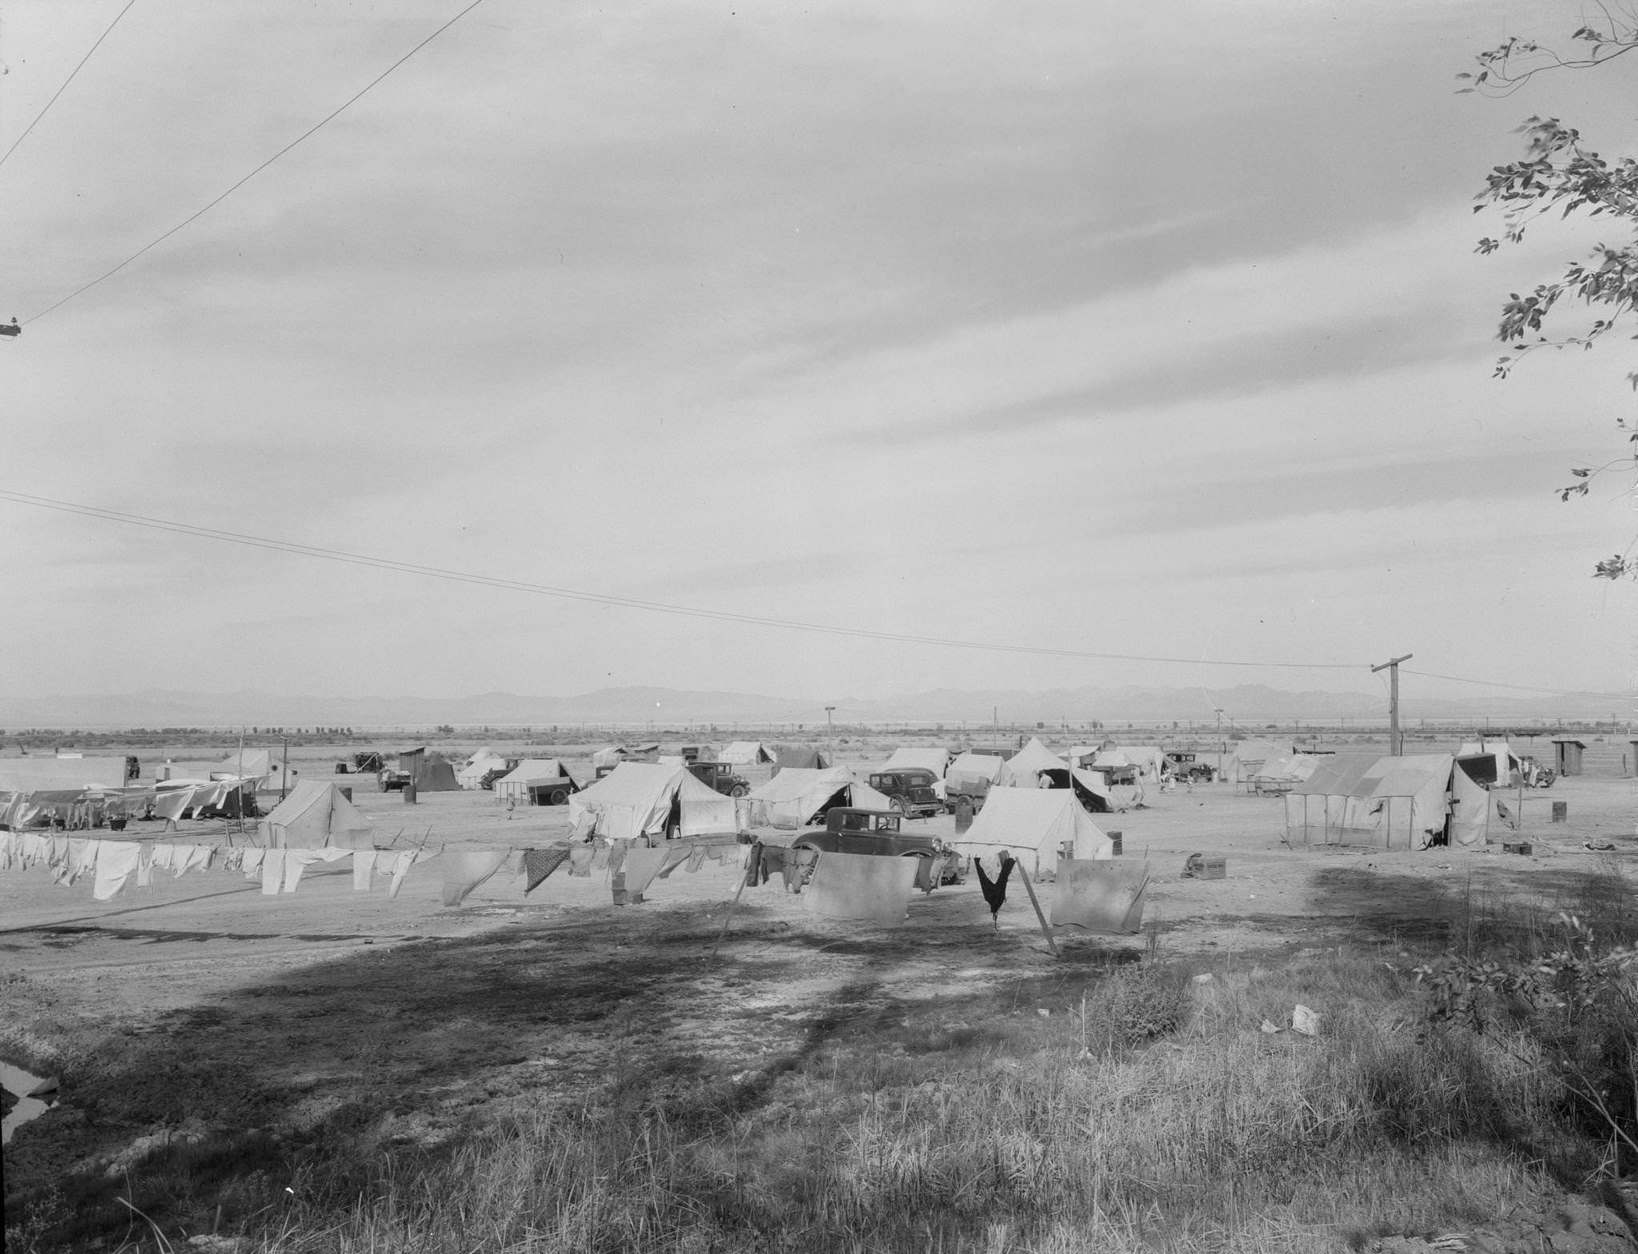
(298,860)
(82,854)
(580,860)
(116,861)
(363,868)
(864,887)
(273,872)
(1099,895)
(145,867)
(616,858)
(465,871)
(191,858)
(252,864)
(540,863)
(676,854)
(641,865)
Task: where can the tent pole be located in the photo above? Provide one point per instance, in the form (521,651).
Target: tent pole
(1046,931)
(750,864)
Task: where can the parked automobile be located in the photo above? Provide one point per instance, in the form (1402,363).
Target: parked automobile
(1188,768)
(911,791)
(850,829)
(721,776)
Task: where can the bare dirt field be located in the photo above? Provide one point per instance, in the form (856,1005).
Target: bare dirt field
(199,1010)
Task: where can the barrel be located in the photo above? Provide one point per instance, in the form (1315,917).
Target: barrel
(1561,811)
(409,793)
(1114,838)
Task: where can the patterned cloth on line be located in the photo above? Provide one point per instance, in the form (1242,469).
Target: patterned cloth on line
(540,863)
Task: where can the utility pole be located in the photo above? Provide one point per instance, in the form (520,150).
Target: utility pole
(830,730)
(1396,743)
(1219,714)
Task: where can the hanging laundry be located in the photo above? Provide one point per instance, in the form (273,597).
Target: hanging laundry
(600,859)
(82,854)
(676,854)
(252,863)
(363,868)
(191,858)
(617,856)
(1100,895)
(273,872)
(864,887)
(641,866)
(465,871)
(799,864)
(145,867)
(117,860)
(401,864)
(580,860)
(540,863)
(298,860)
(995,890)
(696,859)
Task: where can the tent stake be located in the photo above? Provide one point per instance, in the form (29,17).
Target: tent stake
(750,863)
(1029,888)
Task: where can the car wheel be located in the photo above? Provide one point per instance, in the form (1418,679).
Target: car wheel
(900,804)
(740,790)
(559,796)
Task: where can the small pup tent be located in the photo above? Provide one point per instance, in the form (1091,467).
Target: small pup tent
(1036,826)
(639,800)
(746,753)
(536,781)
(798,796)
(313,816)
(907,758)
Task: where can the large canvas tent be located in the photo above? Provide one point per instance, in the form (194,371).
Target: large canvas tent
(535,778)
(313,816)
(1035,825)
(746,753)
(643,799)
(1489,761)
(798,796)
(1405,802)
(909,758)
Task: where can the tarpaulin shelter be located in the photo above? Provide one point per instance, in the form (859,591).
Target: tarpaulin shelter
(974,774)
(315,815)
(1411,802)
(809,757)
(746,753)
(471,774)
(1489,761)
(1148,759)
(909,758)
(798,796)
(613,755)
(255,764)
(536,781)
(429,772)
(643,799)
(1035,825)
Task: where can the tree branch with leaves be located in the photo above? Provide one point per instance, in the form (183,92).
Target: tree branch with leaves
(1560,175)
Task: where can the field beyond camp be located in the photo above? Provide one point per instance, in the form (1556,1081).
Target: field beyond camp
(336,1070)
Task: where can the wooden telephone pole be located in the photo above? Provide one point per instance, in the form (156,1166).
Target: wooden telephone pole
(1396,742)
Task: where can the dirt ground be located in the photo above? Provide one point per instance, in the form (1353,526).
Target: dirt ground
(286,1011)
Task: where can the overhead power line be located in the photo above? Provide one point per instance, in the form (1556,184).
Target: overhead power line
(305,135)
(1491,683)
(47,107)
(637,603)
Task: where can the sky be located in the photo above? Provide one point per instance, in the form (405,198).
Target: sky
(1141,344)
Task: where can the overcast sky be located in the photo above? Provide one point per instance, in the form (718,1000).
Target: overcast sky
(1152,330)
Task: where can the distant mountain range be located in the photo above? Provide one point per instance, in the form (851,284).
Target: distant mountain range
(1244,707)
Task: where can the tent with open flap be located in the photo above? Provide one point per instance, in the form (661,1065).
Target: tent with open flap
(1396,802)
(648,800)
(798,796)
(1025,766)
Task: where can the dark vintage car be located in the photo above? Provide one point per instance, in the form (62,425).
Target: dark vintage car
(910,790)
(849,829)
(1189,769)
(721,776)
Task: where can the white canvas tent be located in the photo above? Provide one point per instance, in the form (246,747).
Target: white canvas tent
(976,768)
(798,795)
(645,799)
(1035,825)
(256,764)
(1024,767)
(470,776)
(908,758)
(1489,761)
(1403,802)
(1248,758)
(313,816)
(1283,771)
(531,773)
(746,753)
